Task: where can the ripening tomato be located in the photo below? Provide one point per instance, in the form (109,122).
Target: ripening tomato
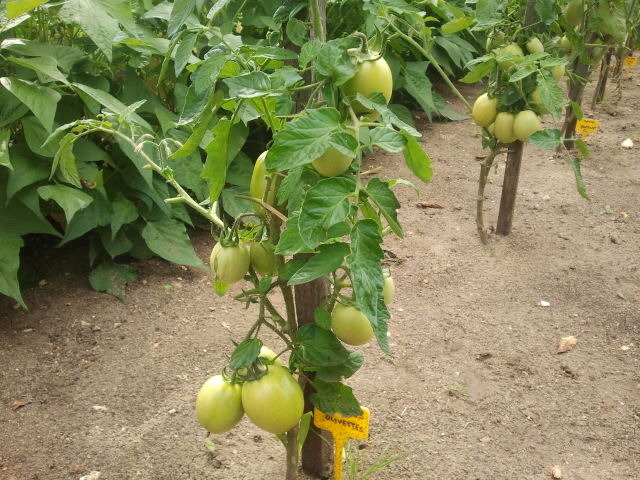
(534,45)
(511,49)
(389,289)
(525,124)
(230,264)
(565,45)
(263,257)
(371,76)
(219,405)
(258,185)
(332,163)
(558,72)
(350,325)
(573,13)
(503,127)
(273,402)
(484,110)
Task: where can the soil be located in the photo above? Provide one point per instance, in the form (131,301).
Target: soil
(474,389)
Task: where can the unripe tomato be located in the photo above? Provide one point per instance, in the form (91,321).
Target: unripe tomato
(230,264)
(263,257)
(371,76)
(525,124)
(351,325)
(565,45)
(388,290)
(558,72)
(484,110)
(274,402)
(494,39)
(259,182)
(573,13)
(332,163)
(219,405)
(503,127)
(511,49)
(536,100)
(534,45)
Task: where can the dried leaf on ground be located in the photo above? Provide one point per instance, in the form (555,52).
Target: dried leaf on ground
(19,404)
(566,344)
(428,205)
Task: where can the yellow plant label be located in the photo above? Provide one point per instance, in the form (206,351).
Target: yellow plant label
(342,428)
(587,126)
(630,61)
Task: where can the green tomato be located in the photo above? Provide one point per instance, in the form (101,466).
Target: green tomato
(230,264)
(219,405)
(558,72)
(503,127)
(388,290)
(258,185)
(263,257)
(484,110)
(573,13)
(274,402)
(534,45)
(525,124)
(511,49)
(536,100)
(371,76)
(351,325)
(332,163)
(565,45)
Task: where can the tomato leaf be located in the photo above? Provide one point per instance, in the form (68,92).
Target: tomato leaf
(70,199)
(479,71)
(333,61)
(367,277)
(386,201)
(417,159)
(387,139)
(245,353)
(580,186)
(5,159)
(305,139)
(111,277)
(551,94)
(328,259)
(335,397)
(322,318)
(457,25)
(325,204)
(550,138)
(378,103)
(319,347)
(290,240)
(345,370)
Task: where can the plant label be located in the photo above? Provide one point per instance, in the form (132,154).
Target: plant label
(630,61)
(587,126)
(342,428)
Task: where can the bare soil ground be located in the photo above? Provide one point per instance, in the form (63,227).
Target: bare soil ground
(474,389)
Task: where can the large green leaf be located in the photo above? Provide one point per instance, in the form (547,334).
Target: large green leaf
(328,259)
(333,60)
(249,85)
(169,240)
(386,201)
(305,139)
(112,103)
(179,14)
(94,20)
(551,94)
(215,168)
(11,108)
(290,240)
(27,169)
(96,214)
(70,199)
(320,347)
(417,159)
(367,277)
(45,67)
(10,246)
(42,101)
(335,397)
(35,135)
(124,211)
(65,56)
(326,204)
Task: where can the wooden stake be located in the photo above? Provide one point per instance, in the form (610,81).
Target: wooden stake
(509,188)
